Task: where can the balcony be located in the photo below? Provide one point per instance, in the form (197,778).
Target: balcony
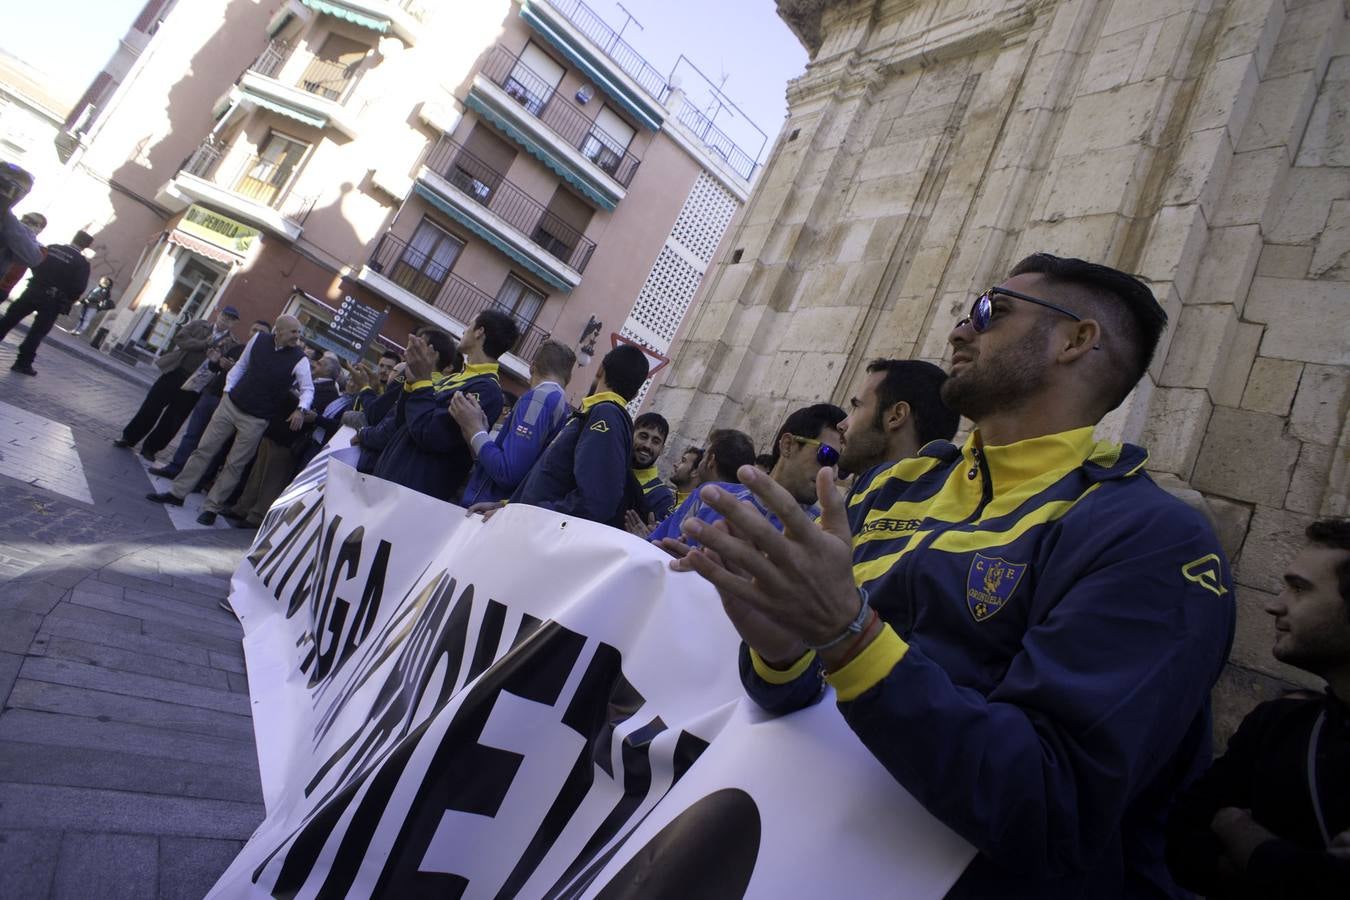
(481,199)
(256,191)
(409,279)
(403,17)
(580,34)
(316,98)
(553,129)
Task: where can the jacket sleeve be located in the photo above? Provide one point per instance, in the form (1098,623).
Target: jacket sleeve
(375,438)
(192,336)
(599,467)
(381,405)
(520,442)
(1106,686)
(20,241)
(430,424)
(659,501)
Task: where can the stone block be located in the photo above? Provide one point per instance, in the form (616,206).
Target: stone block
(1300,318)
(1130,15)
(1304,204)
(1230,378)
(1309,484)
(1253,178)
(820,329)
(1227,92)
(1320,406)
(1226,266)
(67,808)
(1199,171)
(1090,237)
(1176,237)
(1127,421)
(1246,456)
(1273,539)
(28,863)
(1121,117)
(1175,429)
(1279,113)
(1284,261)
(1092,183)
(1307,39)
(1271,386)
(107,866)
(1254,637)
(1115,56)
(816,376)
(1230,520)
(189,867)
(1332,257)
(1326,141)
(1250,27)
(1202,337)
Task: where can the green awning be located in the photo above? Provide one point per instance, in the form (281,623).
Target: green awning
(346,13)
(289,112)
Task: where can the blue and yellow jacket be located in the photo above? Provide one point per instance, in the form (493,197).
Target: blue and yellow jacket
(504,461)
(428,452)
(657,497)
(694,507)
(1054,624)
(585,471)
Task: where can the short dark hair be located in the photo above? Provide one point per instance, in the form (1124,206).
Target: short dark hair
(807,422)
(82,239)
(391,354)
(1125,305)
(1335,535)
(764,460)
(509,399)
(446,349)
(919,384)
(555,358)
(625,369)
(732,449)
(655,421)
(697,451)
(264,323)
(499,331)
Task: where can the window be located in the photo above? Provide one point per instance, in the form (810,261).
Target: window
(333,69)
(608,140)
(426,260)
(521,300)
(562,225)
(267,175)
(477,169)
(533,79)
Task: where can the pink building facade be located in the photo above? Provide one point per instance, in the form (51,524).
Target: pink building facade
(426,160)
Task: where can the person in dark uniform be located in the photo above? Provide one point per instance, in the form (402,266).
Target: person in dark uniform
(57,282)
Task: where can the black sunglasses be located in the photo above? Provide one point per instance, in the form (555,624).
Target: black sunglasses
(825,454)
(982,310)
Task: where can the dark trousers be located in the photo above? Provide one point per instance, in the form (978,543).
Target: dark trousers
(197,421)
(180,407)
(157,402)
(48,310)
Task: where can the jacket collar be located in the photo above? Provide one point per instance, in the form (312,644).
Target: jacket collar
(602,397)
(1011,465)
(645,475)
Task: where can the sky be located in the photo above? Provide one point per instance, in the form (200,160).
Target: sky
(72,40)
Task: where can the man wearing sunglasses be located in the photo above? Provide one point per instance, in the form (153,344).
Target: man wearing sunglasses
(1028,637)
(806,442)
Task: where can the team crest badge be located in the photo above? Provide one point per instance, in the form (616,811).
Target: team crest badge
(989,584)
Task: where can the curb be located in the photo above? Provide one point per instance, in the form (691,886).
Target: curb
(59,340)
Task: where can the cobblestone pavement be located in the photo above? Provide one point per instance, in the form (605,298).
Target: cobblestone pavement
(127,763)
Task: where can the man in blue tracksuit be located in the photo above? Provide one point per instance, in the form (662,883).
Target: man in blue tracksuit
(1023,630)
(427,452)
(584,472)
(501,463)
(650,431)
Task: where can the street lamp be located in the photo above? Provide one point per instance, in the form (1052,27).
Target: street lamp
(586,343)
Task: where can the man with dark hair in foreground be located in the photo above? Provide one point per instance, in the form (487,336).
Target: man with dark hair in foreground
(1271,818)
(584,472)
(1028,638)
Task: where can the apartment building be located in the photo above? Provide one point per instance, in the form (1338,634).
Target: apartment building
(415,160)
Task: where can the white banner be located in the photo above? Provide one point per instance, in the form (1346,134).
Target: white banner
(535,706)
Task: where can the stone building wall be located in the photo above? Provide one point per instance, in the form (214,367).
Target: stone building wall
(1201,143)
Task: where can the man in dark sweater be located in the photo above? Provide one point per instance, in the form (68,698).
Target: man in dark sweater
(1271,817)
(57,282)
(257,388)
(585,471)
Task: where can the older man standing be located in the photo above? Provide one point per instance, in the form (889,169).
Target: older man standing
(256,389)
(167,405)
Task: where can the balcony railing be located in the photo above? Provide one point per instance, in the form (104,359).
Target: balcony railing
(257,179)
(423,277)
(490,188)
(505,69)
(323,78)
(415,8)
(589,23)
(717,141)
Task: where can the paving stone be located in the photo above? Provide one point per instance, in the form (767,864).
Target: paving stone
(238,683)
(145,584)
(101,768)
(79,630)
(189,867)
(121,660)
(60,730)
(167,631)
(230,662)
(187,603)
(147,612)
(107,866)
(10,663)
(17,627)
(28,862)
(48,806)
(98,618)
(93,677)
(81,701)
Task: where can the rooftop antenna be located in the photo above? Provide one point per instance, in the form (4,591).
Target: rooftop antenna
(632,19)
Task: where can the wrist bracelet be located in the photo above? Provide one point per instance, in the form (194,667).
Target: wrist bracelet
(852,650)
(854,628)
